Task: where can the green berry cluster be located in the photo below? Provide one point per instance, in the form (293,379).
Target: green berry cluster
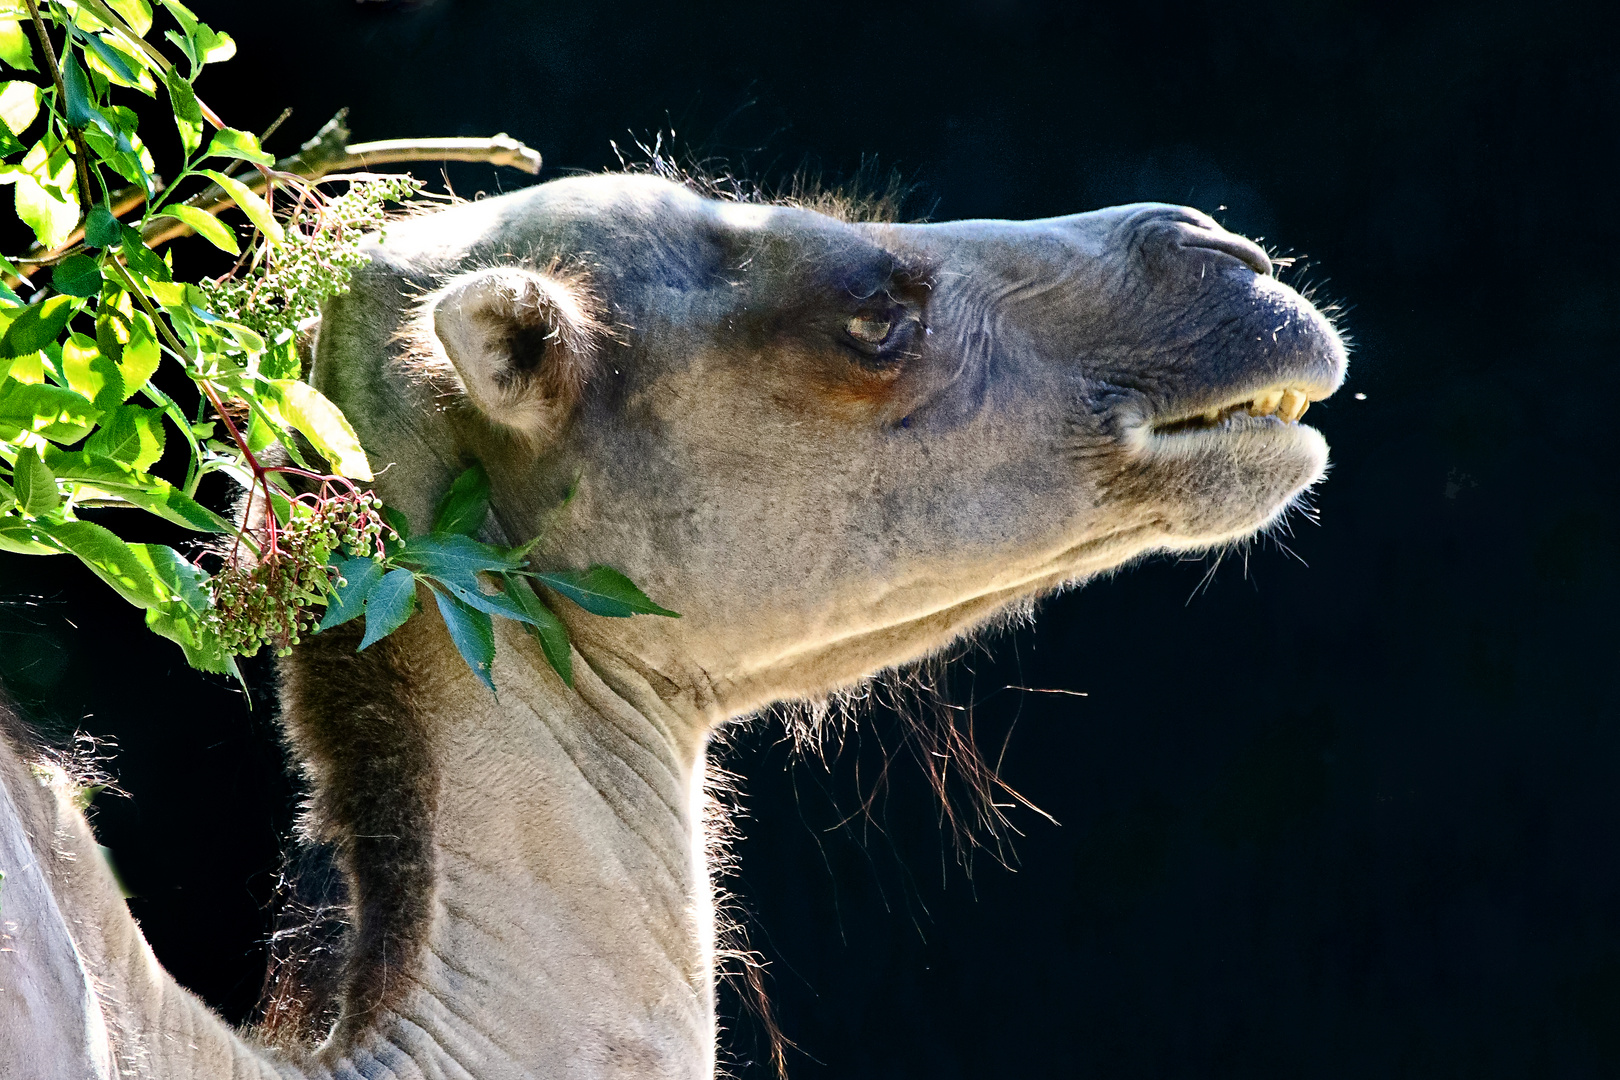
(278,599)
(320,252)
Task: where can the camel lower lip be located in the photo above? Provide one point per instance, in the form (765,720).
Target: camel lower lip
(1233,422)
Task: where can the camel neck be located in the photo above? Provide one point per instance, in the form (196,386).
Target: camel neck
(564,923)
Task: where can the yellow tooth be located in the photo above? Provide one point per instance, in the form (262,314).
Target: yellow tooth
(1266,403)
(1292,406)
(1211,415)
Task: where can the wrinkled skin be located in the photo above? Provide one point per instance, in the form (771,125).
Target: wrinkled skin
(834,448)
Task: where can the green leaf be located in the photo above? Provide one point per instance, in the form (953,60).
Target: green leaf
(130,434)
(466,504)
(544,626)
(303,407)
(177,622)
(116,64)
(213,46)
(36,327)
(16,48)
(349,599)
(398,522)
(59,415)
(457,558)
(142,259)
(182,15)
(33,484)
(90,373)
(110,558)
(168,502)
(182,578)
(231,143)
(101,228)
(21,537)
(129,343)
(79,107)
(188,117)
(19,104)
(208,226)
(602,590)
(388,605)
(498,603)
(46,192)
(256,209)
(472,633)
(151,493)
(77,275)
(137,13)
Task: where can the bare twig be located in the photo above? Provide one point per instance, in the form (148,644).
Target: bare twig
(83,171)
(327,153)
(331,152)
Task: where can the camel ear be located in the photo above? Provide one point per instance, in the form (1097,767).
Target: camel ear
(521,343)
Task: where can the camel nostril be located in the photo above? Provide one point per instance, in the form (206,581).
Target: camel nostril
(1241,248)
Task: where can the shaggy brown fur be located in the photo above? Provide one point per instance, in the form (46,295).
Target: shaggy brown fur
(351,722)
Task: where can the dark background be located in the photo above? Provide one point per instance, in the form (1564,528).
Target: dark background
(1350,810)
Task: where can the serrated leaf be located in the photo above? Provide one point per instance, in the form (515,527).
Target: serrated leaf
(150,493)
(130,434)
(132,345)
(498,603)
(466,504)
(472,633)
(544,626)
(454,557)
(181,577)
(33,485)
(110,558)
(602,590)
(36,327)
(207,226)
(90,373)
(77,275)
(58,414)
(229,142)
(388,605)
(16,47)
(348,600)
(177,622)
(256,209)
(320,421)
(19,104)
(51,211)
(21,537)
(101,228)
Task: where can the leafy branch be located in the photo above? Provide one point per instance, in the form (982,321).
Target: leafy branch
(85,424)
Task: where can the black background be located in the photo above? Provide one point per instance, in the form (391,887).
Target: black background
(1349,810)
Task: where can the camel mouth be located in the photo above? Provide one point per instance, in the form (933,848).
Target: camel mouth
(1281,405)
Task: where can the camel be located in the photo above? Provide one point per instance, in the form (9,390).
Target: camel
(834,446)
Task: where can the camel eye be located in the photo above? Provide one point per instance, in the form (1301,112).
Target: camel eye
(870,329)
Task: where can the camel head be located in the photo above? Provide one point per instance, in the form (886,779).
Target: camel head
(834,447)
